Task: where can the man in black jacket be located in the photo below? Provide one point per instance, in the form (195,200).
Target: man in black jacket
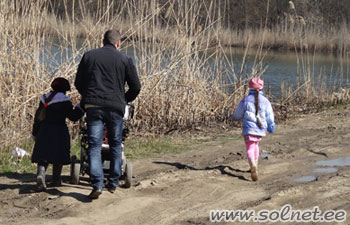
(100,79)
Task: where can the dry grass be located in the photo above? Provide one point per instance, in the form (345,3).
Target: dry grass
(184,70)
(311,92)
(284,36)
(179,89)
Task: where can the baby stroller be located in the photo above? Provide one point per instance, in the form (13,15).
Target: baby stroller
(82,167)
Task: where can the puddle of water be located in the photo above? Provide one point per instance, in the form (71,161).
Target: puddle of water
(305,179)
(336,162)
(265,156)
(325,170)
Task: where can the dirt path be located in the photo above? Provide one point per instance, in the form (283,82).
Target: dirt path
(183,188)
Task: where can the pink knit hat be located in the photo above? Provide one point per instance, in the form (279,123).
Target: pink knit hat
(256,83)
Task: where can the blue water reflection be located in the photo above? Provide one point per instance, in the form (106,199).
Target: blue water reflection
(280,66)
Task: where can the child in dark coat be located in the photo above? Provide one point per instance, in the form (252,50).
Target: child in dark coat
(50,131)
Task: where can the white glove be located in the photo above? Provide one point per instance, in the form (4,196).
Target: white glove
(126,114)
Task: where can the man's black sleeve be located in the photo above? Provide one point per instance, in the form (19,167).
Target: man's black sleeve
(80,82)
(133,81)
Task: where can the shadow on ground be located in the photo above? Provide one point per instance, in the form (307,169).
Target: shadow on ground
(25,183)
(221,168)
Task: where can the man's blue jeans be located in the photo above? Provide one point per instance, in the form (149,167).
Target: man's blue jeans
(96,119)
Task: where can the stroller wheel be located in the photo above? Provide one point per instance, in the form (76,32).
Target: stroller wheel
(128,175)
(75,170)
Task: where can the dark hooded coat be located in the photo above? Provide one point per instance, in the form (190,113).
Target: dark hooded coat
(52,140)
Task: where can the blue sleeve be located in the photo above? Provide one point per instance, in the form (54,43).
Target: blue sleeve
(270,119)
(239,112)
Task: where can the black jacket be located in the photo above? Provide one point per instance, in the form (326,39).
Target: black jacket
(101,78)
(52,140)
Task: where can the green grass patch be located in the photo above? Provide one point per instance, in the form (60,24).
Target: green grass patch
(135,147)
(10,164)
(145,147)
(75,148)
(153,146)
(139,147)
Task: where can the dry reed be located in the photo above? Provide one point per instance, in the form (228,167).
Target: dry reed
(178,88)
(183,68)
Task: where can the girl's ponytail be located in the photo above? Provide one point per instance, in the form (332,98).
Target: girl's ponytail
(256,84)
(257,108)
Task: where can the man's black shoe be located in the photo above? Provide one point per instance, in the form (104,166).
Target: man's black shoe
(96,192)
(110,187)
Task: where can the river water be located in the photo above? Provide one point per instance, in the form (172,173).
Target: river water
(287,66)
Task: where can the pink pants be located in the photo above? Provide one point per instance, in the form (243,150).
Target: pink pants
(252,146)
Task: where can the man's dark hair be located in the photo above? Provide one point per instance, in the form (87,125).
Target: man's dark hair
(111,37)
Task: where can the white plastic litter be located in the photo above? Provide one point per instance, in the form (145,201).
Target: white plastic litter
(19,153)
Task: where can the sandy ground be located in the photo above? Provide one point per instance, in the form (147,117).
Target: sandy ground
(183,188)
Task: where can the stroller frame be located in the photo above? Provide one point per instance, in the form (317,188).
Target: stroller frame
(81,166)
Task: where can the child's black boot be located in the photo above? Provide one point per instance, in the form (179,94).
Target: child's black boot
(56,175)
